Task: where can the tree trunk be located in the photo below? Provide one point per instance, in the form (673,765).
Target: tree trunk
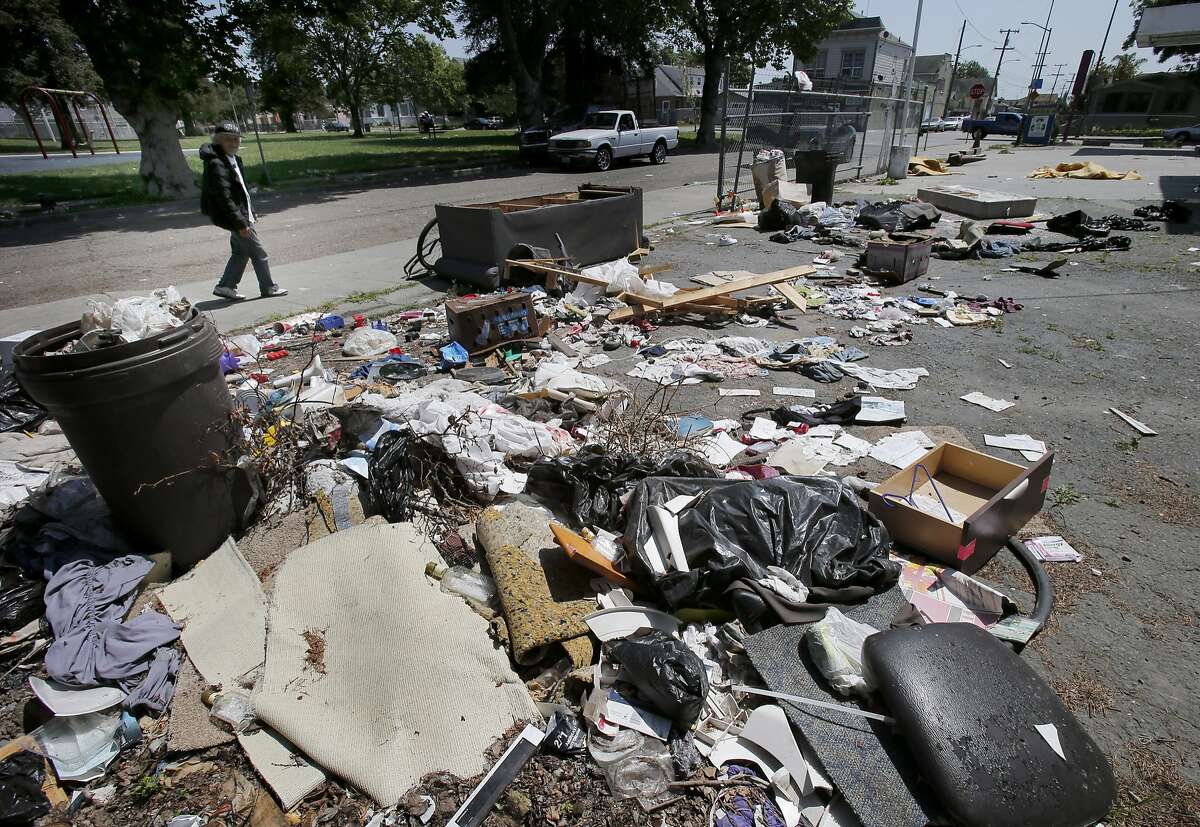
(189,124)
(163,169)
(287,118)
(714,62)
(355,113)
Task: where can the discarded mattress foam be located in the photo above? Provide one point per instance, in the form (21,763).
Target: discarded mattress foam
(399,679)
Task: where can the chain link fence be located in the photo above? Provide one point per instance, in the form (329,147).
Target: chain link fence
(860,129)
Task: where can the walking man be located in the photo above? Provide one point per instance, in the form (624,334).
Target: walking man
(225,199)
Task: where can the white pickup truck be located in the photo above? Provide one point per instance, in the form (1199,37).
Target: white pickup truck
(611,134)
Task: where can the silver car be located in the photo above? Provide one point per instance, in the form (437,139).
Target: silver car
(1181,135)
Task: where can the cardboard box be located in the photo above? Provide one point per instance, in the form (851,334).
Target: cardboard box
(480,323)
(899,259)
(989,500)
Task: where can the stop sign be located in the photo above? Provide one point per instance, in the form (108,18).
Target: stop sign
(977,90)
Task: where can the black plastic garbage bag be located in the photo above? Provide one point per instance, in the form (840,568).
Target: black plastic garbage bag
(591,483)
(811,526)
(1078,224)
(842,412)
(898,216)
(20,603)
(779,216)
(669,677)
(17,410)
(21,798)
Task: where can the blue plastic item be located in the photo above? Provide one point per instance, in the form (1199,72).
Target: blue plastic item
(331,322)
(454,355)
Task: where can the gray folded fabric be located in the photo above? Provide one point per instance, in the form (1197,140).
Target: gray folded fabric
(85,606)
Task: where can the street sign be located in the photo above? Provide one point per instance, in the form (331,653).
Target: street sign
(977,91)
(1037,84)
(1085,63)
(1033,94)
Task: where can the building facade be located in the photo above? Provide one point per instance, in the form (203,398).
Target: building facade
(860,55)
(1156,100)
(935,73)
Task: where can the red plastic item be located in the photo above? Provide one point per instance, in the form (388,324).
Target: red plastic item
(397,350)
(359,320)
(276,354)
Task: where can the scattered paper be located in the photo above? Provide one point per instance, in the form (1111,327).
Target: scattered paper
(793,457)
(766,429)
(940,322)
(619,711)
(1053,549)
(1006,364)
(977,398)
(805,393)
(878,409)
(853,443)
(737,392)
(902,449)
(720,449)
(1141,427)
(595,360)
(1050,733)
(1030,448)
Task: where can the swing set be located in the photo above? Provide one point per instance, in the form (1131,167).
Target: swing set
(66,128)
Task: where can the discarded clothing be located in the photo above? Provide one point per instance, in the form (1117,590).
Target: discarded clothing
(995,248)
(898,216)
(85,606)
(793,233)
(927,166)
(842,412)
(812,527)
(1086,245)
(1078,224)
(1088,170)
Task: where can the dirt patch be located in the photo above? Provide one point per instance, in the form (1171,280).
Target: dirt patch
(314,657)
(1083,692)
(1151,790)
(1172,501)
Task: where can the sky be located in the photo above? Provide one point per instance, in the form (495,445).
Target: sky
(1077,24)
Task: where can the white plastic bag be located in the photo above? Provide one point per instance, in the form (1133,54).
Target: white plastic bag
(835,645)
(367,341)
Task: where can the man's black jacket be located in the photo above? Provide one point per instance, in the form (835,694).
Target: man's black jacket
(221,197)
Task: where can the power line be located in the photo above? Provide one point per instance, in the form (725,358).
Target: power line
(1008,33)
(972,25)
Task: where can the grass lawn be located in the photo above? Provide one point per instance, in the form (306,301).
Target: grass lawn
(293,160)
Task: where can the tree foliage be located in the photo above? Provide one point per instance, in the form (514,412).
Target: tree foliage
(40,49)
(1124,66)
(287,81)
(972,69)
(1189,55)
(150,61)
(764,31)
(422,70)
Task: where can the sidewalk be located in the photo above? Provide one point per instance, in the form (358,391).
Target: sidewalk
(317,281)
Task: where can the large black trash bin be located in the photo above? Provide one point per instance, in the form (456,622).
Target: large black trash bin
(816,167)
(150,421)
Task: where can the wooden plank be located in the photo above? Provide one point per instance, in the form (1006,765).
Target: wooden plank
(742,284)
(709,280)
(511,207)
(793,296)
(536,266)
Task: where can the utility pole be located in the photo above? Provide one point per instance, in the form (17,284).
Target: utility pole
(996,80)
(1058,74)
(954,71)
(1103,43)
(912,66)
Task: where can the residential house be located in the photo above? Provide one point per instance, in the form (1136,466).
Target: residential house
(1156,100)
(671,96)
(934,72)
(861,56)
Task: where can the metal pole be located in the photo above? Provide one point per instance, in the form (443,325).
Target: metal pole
(912,66)
(724,121)
(1103,43)
(737,172)
(954,71)
(996,80)
(257,137)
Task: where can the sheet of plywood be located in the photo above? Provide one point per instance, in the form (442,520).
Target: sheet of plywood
(746,283)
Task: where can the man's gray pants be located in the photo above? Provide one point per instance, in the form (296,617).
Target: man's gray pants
(242,250)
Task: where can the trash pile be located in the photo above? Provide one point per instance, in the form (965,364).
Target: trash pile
(499,557)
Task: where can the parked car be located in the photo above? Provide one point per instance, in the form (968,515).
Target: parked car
(932,125)
(1181,135)
(484,123)
(335,126)
(952,123)
(533,142)
(1003,123)
(611,134)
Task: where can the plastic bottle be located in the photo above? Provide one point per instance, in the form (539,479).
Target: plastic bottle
(232,710)
(467,582)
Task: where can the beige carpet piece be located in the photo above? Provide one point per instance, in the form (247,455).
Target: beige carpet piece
(375,673)
(190,728)
(224,613)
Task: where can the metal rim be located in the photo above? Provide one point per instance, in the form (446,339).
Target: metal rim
(660,152)
(603,159)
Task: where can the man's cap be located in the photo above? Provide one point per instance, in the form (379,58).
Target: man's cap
(227,128)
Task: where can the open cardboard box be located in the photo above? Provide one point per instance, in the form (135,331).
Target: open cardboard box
(989,500)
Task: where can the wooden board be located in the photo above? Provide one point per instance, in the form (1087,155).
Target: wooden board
(738,285)
(793,296)
(709,280)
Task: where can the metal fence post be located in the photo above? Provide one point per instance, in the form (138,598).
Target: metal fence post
(737,173)
(724,121)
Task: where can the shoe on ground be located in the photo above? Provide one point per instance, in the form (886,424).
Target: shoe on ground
(228,293)
(275,290)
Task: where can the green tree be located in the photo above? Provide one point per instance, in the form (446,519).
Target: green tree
(1189,55)
(420,69)
(763,31)
(150,61)
(1123,67)
(347,43)
(972,69)
(287,82)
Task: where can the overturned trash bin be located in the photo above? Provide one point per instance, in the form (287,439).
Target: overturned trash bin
(150,421)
